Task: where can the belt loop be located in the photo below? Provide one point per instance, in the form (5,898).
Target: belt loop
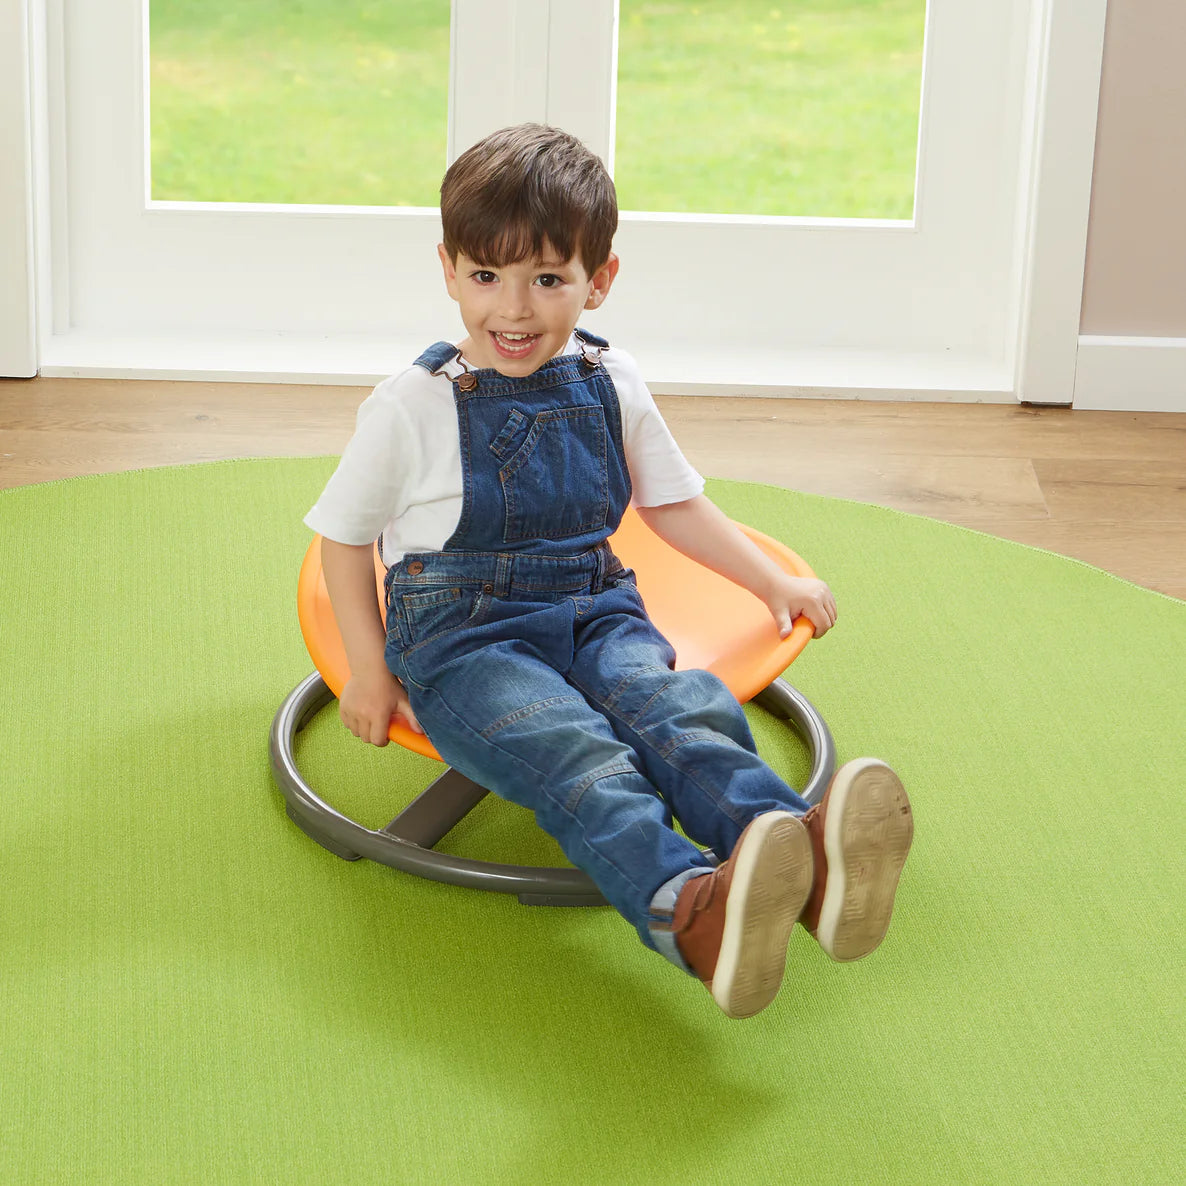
(599,575)
(503,575)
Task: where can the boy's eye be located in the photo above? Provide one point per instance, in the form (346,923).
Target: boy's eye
(549,280)
(484,277)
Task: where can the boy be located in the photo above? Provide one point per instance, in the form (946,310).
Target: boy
(492,472)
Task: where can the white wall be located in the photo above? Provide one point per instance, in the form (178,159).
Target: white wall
(1136,243)
(1132,346)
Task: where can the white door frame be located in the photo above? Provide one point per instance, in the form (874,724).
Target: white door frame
(1067,47)
(18,296)
(1057,118)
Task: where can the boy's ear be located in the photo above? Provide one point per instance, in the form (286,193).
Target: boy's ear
(450,270)
(602,280)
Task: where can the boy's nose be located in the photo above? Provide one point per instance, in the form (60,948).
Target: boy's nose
(516,302)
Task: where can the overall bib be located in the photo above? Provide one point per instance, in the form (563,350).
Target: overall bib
(530,662)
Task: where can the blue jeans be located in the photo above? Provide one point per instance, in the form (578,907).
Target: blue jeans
(543,680)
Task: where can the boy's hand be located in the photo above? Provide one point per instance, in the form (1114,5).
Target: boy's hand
(806,596)
(703,533)
(370,701)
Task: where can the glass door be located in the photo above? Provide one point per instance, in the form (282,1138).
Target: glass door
(807,108)
(825,195)
(341,103)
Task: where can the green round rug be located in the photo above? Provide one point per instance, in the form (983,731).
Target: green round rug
(193,991)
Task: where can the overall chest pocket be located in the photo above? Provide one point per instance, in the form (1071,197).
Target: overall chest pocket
(556,484)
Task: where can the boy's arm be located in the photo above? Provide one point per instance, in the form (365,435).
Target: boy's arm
(699,529)
(372,695)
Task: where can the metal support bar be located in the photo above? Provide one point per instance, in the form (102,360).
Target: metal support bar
(406,842)
(437,810)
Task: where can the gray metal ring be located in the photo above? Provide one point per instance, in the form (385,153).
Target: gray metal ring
(407,842)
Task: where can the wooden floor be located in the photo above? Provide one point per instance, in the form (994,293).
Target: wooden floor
(1105,487)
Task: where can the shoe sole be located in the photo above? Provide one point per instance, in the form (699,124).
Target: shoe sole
(771,881)
(867,835)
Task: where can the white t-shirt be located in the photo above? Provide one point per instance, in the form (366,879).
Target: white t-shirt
(400,474)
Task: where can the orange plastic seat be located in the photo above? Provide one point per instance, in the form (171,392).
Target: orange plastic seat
(711,622)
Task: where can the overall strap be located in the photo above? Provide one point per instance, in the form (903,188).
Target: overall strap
(437,357)
(592,347)
(584,336)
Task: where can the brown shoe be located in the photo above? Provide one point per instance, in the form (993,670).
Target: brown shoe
(732,925)
(860,835)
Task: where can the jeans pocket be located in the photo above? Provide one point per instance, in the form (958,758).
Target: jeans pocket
(417,618)
(424,615)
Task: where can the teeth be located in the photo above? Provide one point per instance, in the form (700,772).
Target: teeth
(515,337)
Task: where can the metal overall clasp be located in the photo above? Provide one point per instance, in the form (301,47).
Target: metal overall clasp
(466,381)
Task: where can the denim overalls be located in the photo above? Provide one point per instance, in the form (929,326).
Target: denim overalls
(531,664)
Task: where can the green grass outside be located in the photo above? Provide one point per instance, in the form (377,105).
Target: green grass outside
(724,106)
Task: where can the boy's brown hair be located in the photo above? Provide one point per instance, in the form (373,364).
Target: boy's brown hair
(502,199)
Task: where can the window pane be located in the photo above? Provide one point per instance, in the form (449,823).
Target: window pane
(757,107)
(330,102)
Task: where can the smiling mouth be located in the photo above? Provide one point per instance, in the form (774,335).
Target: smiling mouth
(514,345)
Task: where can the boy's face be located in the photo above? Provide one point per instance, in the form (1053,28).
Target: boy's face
(518,316)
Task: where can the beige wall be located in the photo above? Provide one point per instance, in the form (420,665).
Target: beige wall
(1135,281)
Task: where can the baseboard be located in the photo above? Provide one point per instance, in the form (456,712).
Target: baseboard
(1129,374)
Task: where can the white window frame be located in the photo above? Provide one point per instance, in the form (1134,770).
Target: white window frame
(977,297)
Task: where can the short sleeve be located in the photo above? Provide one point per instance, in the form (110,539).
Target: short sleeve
(374,476)
(659,472)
